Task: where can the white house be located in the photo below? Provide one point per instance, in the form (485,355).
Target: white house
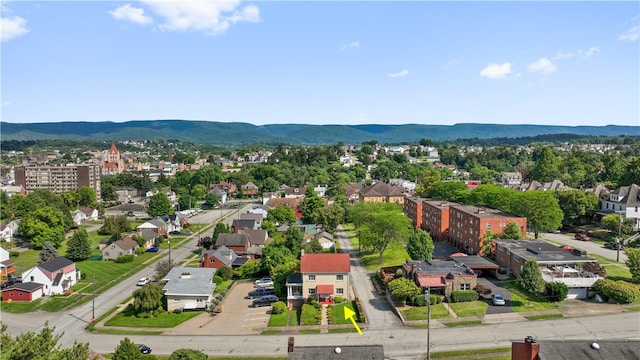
(624,200)
(57,275)
(189,288)
(7,231)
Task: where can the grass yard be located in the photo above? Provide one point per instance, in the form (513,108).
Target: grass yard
(463,323)
(392,256)
(438,311)
(224,286)
(337,314)
(471,353)
(343,330)
(615,270)
(469,308)
(126,318)
(543,317)
(279,319)
(309,315)
(522,301)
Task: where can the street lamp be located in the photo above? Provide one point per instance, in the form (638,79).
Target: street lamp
(428,298)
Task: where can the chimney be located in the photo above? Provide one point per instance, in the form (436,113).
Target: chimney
(527,350)
(290,345)
(301,252)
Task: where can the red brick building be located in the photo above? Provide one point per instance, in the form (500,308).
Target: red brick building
(468,224)
(435,218)
(413,209)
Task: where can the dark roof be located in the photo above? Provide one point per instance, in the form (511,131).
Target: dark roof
(27,287)
(233,239)
(484,212)
(351,352)
(542,251)
(56,280)
(582,349)
(475,262)
(244,223)
(55,264)
(294,279)
(382,189)
(436,267)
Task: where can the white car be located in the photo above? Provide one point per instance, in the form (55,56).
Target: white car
(143,281)
(264,283)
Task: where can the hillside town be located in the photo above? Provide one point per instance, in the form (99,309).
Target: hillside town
(316,235)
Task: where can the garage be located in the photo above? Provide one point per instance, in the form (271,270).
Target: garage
(577,293)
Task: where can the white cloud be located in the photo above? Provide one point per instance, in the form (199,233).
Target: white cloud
(543,65)
(12,27)
(402,73)
(496,71)
(212,18)
(130,13)
(633,34)
(351,45)
(589,52)
(562,55)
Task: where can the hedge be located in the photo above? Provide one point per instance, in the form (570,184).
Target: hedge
(556,291)
(124,259)
(463,295)
(420,300)
(620,291)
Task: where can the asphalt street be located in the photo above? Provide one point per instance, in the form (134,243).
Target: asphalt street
(590,247)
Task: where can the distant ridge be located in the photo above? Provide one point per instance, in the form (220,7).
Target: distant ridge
(237,133)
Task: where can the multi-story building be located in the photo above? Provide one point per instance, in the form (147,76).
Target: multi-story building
(468,224)
(435,218)
(625,201)
(383,192)
(413,209)
(58,178)
(113,164)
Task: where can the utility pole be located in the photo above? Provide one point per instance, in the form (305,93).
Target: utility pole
(169,242)
(93,301)
(428,298)
(618,240)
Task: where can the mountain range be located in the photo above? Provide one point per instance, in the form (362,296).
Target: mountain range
(238,134)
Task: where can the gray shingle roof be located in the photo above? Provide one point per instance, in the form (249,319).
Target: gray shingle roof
(55,264)
(190,281)
(350,352)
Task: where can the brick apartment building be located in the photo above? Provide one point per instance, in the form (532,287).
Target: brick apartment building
(468,224)
(413,209)
(58,178)
(435,218)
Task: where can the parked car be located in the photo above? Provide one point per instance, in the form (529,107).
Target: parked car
(582,236)
(266,300)
(152,249)
(614,245)
(143,281)
(130,213)
(264,283)
(260,292)
(144,349)
(188,232)
(498,299)
(175,232)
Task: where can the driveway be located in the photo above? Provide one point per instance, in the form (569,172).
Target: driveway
(493,284)
(236,318)
(590,247)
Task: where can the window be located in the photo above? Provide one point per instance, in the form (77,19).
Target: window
(32,279)
(488,225)
(465,286)
(211,261)
(312,291)
(339,277)
(340,291)
(312,278)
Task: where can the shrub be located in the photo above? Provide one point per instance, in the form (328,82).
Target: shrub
(218,280)
(620,291)
(14,254)
(556,291)
(124,259)
(463,295)
(225,273)
(279,308)
(435,299)
(399,273)
(482,290)
(339,299)
(177,311)
(140,251)
(421,300)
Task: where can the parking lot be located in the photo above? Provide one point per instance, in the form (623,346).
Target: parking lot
(236,318)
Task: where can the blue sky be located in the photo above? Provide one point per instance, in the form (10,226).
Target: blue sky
(323,62)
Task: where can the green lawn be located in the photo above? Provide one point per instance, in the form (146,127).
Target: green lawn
(309,315)
(279,319)
(543,316)
(523,301)
(392,256)
(470,308)
(163,320)
(463,323)
(460,353)
(224,286)
(337,314)
(438,311)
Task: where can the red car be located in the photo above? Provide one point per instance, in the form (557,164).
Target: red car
(582,236)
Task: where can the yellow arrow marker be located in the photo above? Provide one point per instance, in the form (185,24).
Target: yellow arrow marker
(350,314)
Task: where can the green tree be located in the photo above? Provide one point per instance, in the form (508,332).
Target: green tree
(48,252)
(541,210)
(127,350)
(403,288)
(225,273)
(221,228)
(530,277)
(41,345)
(148,298)
(546,168)
(616,223)
(43,224)
(282,215)
(274,254)
(311,203)
(86,196)
(576,205)
(330,217)
(380,225)
(212,199)
(556,291)
(159,205)
(633,262)
(420,245)
(188,354)
(199,191)
(487,244)
(448,190)
(293,239)
(78,246)
(511,231)
(162,268)
(427,178)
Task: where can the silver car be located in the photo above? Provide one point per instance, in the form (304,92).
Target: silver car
(498,299)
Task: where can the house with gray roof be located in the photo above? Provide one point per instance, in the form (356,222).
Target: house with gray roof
(124,246)
(189,288)
(222,256)
(351,352)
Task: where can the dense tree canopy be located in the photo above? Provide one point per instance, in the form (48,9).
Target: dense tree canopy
(43,224)
(42,345)
(541,210)
(420,246)
(159,205)
(78,246)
